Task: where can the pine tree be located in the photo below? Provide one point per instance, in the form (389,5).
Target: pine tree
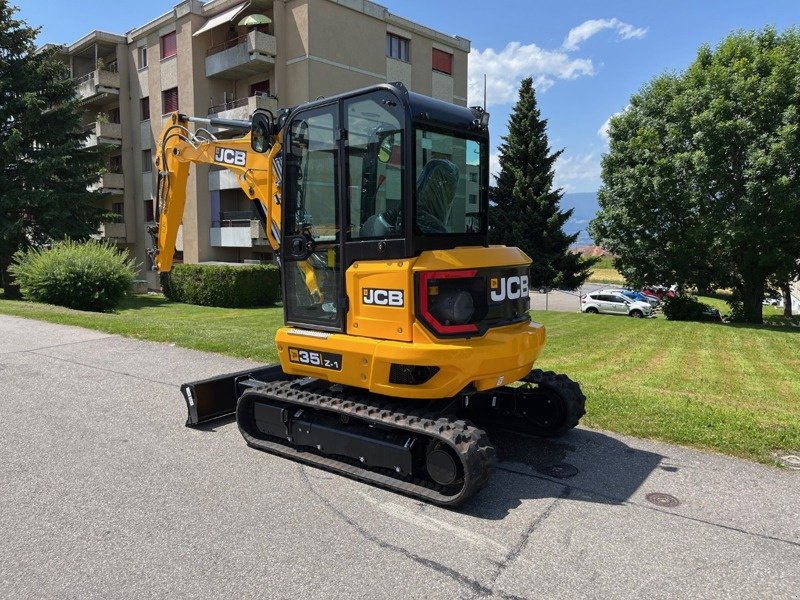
(526,210)
(44,168)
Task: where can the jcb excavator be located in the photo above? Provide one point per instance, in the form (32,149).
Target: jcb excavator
(404,330)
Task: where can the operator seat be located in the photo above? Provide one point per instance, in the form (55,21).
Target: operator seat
(436,191)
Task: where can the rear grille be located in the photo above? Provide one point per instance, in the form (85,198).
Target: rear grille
(411,374)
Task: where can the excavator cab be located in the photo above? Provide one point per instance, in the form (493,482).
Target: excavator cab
(382,174)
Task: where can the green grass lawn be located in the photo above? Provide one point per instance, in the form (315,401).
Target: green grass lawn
(730,388)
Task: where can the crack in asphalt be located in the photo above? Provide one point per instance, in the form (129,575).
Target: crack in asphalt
(34,350)
(476,586)
(520,546)
(95,367)
(607,497)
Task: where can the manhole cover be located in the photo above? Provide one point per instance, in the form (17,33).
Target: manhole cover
(559,471)
(664,500)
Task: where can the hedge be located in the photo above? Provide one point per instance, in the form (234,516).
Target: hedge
(222,285)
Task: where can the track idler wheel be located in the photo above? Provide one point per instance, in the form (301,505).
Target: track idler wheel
(441,465)
(550,404)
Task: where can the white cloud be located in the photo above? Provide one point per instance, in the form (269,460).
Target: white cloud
(579,172)
(506,68)
(581,33)
(603,131)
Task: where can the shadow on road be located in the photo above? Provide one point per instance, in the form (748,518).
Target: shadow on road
(594,466)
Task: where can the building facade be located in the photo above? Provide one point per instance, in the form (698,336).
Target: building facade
(197,59)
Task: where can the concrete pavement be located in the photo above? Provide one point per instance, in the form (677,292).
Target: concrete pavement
(105,494)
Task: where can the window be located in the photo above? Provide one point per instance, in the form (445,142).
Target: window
(169,45)
(113,115)
(442,61)
(145,108)
(147,161)
(149,208)
(473,199)
(143,57)
(473,177)
(442,201)
(397,47)
(118,208)
(115,164)
(375,167)
(169,100)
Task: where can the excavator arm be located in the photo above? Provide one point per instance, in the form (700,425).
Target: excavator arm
(258,174)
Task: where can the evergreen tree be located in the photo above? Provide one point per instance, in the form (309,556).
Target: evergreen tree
(44,168)
(526,210)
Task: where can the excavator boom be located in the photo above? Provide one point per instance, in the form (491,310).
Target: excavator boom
(258,174)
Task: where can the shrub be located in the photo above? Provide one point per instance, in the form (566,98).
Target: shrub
(684,308)
(82,275)
(222,285)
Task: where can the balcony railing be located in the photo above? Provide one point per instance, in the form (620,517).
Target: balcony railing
(235,218)
(242,56)
(97,83)
(243,108)
(103,133)
(110,229)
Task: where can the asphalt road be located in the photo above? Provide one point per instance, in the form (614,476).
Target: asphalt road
(105,494)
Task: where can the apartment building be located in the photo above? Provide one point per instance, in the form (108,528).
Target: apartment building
(199,59)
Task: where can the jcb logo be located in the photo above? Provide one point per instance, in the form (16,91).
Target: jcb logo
(230,157)
(510,288)
(380,297)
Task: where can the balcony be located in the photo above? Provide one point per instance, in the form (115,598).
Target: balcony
(241,57)
(113,231)
(223,179)
(110,183)
(97,87)
(244,108)
(103,133)
(237,229)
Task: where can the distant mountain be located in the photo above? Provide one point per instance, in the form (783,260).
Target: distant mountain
(586,206)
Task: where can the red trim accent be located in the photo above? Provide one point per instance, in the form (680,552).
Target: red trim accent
(426,276)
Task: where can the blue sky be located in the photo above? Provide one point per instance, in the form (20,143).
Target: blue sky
(586,56)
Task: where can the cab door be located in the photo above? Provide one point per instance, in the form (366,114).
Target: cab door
(311,251)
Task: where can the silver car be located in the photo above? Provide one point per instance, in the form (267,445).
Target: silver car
(614,304)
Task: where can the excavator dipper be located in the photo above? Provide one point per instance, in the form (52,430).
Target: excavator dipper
(405,331)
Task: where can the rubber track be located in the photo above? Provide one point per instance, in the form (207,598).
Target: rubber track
(470,444)
(568,390)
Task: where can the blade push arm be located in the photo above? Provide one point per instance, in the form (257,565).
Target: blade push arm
(258,174)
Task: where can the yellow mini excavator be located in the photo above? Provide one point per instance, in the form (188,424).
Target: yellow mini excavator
(405,332)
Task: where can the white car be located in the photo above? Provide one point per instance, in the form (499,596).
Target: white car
(614,304)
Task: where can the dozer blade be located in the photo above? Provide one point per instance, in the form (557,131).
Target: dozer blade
(216,397)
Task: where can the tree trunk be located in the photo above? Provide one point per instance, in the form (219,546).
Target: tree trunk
(752,299)
(10,289)
(787,299)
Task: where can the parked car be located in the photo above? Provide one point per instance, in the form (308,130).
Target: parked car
(659,291)
(614,304)
(634,295)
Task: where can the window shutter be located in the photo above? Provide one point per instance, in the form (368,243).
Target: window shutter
(170,100)
(442,61)
(169,45)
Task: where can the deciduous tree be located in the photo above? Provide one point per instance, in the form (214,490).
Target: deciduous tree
(701,184)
